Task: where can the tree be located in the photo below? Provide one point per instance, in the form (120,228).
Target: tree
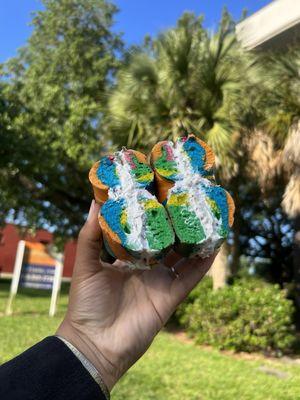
(182,81)
(7,144)
(280,84)
(58,83)
(218,273)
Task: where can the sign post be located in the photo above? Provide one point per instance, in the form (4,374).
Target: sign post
(36,269)
(55,288)
(16,276)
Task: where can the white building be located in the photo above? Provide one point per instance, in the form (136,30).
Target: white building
(276,25)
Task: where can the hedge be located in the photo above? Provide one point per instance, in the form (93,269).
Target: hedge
(250,315)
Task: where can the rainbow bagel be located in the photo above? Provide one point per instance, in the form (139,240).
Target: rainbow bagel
(135,225)
(201,211)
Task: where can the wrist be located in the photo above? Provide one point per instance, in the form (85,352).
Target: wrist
(85,345)
(88,366)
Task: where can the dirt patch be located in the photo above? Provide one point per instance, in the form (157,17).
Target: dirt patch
(273,372)
(183,337)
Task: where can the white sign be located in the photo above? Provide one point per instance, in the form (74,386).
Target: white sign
(35,269)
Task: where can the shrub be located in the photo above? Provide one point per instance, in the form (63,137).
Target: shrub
(250,315)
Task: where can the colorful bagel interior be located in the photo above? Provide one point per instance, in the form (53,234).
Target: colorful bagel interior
(135,225)
(201,211)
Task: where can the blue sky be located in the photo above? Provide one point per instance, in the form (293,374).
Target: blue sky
(135,19)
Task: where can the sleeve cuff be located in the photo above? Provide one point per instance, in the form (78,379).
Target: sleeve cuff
(88,366)
(48,370)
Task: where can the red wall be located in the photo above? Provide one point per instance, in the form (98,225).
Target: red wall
(69,258)
(9,238)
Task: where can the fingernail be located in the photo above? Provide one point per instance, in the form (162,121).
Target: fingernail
(91,209)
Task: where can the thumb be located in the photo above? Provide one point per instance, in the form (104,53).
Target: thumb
(89,243)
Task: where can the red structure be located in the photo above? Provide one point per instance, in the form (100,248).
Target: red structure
(10,236)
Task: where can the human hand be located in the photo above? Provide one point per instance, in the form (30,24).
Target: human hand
(114,314)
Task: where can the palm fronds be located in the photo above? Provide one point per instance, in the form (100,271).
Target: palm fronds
(187,81)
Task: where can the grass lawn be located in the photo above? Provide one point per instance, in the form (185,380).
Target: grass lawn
(170,370)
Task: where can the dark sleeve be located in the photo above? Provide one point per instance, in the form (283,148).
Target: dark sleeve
(47,371)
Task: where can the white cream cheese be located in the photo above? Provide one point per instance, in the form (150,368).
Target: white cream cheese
(131,193)
(190,183)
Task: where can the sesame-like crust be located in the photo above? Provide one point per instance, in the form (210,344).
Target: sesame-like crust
(100,190)
(114,241)
(231,209)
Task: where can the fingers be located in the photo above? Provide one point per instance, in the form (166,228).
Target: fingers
(190,272)
(168,291)
(89,243)
(171,258)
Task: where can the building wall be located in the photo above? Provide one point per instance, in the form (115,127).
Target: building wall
(275,26)
(10,236)
(69,258)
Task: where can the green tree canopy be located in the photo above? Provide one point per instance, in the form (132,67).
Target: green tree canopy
(186,80)
(58,85)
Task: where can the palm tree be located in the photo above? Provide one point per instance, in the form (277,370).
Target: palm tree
(281,79)
(186,80)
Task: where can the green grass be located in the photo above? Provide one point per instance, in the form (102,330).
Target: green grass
(170,370)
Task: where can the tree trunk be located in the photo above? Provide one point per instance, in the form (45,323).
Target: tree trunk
(296,266)
(219,270)
(236,248)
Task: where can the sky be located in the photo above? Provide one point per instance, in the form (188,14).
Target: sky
(135,19)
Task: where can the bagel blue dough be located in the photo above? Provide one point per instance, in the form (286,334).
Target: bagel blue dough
(107,173)
(196,154)
(135,225)
(111,211)
(201,211)
(219,206)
